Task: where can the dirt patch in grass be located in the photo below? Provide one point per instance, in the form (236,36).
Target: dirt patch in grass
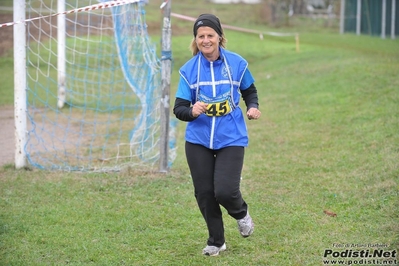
(7,143)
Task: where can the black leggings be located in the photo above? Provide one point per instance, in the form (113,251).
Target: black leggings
(216,177)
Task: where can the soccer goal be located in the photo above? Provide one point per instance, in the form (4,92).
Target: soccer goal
(96,89)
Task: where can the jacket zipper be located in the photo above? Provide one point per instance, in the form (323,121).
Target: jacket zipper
(213,117)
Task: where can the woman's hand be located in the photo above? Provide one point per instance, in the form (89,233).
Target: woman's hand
(199,108)
(253,113)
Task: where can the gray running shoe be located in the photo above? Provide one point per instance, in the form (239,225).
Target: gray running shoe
(213,250)
(246,225)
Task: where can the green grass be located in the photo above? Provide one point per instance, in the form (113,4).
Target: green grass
(327,140)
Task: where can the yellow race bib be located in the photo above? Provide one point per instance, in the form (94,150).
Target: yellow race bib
(217,106)
(218,109)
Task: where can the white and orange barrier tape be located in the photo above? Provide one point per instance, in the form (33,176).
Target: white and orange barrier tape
(124,2)
(81,9)
(183,17)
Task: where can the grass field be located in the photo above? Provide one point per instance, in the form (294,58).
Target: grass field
(327,141)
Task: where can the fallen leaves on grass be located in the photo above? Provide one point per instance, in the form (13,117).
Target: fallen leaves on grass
(330,213)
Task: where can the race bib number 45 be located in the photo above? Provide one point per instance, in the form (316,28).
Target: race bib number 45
(218,108)
(219,105)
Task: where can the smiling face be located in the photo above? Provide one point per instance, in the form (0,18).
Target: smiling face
(208,42)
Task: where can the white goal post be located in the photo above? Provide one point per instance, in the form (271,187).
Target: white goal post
(19,84)
(94,96)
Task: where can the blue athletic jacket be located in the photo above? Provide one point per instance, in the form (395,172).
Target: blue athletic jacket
(217,82)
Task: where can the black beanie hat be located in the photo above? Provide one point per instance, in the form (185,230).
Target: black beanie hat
(208,20)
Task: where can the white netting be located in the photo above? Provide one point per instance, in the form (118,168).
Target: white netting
(111,112)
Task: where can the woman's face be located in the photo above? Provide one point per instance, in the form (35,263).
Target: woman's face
(208,42)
